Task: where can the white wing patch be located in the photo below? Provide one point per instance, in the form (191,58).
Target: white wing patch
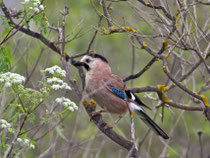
(134,107)
(132,97)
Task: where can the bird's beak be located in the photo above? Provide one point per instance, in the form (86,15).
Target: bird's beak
(80,63)
(77,63)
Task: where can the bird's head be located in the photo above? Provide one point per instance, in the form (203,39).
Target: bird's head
(92,62)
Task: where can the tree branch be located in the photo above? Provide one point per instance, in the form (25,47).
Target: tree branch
(107,131)
(106,14)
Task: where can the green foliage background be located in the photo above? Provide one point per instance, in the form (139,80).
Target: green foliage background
(83,138)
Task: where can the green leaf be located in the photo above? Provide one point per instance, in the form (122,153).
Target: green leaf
(24,133)
(5,59)
(15,105)
(17,151)
(33,142)
(19,106)
(28,17)
(45,30)
(3,147)
(37,18)
(2,17)
(31,118)
(45,120)
(15,117)
(11,130)
(7,30)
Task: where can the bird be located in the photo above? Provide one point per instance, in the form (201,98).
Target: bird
(110,93)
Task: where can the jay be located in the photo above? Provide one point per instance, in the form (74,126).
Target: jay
(109,92)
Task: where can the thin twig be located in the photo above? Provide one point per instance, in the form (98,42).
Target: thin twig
(106,14)
(200,143)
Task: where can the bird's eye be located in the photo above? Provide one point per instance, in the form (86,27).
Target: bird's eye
(87,60)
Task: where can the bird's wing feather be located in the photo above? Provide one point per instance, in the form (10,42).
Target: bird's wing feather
(115,85)
(118,92)
(135,99)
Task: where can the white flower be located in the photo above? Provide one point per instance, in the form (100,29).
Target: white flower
(32,146)
(41,7)
(68,88)
(35,4)
(26,1)
(8,125)
(36,10)
(61,100)
(19,140)
(63,73)
(62,86)
(56,86)
(56,69)
(58,100)
(65,86)
(26,141)
(3,126)
(3,121)
(54,79)
(71,108)
(74,105)
(11,78)
(7,84)
(67,103)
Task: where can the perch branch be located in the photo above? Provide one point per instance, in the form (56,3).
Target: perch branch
(109,132)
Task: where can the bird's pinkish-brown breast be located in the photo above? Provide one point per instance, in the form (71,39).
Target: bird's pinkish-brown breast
(97,90)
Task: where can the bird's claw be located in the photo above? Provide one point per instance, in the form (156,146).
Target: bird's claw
(108,127)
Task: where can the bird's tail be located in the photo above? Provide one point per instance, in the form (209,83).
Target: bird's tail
(148,121)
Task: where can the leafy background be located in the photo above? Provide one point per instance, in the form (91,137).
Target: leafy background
(77,134)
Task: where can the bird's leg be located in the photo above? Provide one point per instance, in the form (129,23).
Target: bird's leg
(94,113)
(115,122)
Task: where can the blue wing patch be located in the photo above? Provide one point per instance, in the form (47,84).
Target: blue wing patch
(118,92)
(128,95)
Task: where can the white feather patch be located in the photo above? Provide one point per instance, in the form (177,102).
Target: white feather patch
(132,97)
(133,107)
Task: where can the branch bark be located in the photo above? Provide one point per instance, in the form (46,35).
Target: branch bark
(109,132)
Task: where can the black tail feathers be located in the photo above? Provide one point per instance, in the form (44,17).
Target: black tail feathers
(149,122)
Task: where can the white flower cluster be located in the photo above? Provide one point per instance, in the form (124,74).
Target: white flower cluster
(26,142)
(9,78)
(67,103)
(34,5)
(53,80)
(4,124)
(56,70)
(63,86)
(57,83)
